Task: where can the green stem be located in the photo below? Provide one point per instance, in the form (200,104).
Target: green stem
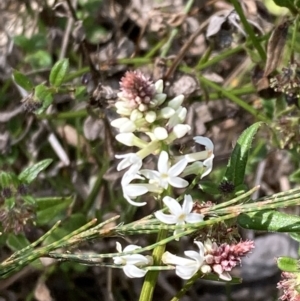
(151,276)
(296,21)
(89,201)
(64,115)
(249,29)
(174,32)
(202,65)
(234,98)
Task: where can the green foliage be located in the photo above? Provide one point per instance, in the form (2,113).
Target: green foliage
(235,171)
(269,221)
(30,173)
(23,81)
(288,264)
(58,72)
(49,208)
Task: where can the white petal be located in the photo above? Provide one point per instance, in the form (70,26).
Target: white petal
(194,218)
(159,86)
(182,113)
(208,163)
(119,122)
(135,115)
(131,202)
(129,160)
(150,174)
(187,205)
(225,276)
(119,260)
(178,168)
(193,169)
(196,256)
(160,133)
(118,247)
(158,100)
(186,272)
(176,102)
(165,218)
(163,162)
(204,141)
(130,248)
(136,259)
(132,271)
(126,138)
(150,116)
(173,206)
(180,130)
(178,182)
(134,190)
(200,246)
(166,112)
(169,258)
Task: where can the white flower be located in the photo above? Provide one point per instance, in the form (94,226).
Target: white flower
(209,148)
(125,125)
(130,139)
(180,130)
(131,263)
(179,215)
(167,175)
(132,191)
(159,97)
(208,164)
(160,133)
(131,160)
(186,268)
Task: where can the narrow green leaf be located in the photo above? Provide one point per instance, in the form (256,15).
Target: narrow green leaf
(50,208)
(22,80)
(269,221)
(288,264)
(17,242)
(58,72)
(235,171)
(31,172)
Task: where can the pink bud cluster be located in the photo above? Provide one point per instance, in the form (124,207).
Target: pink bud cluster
(136,88)
(222,259)
(290,285)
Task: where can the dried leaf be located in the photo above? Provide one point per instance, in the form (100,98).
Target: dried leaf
(276,46)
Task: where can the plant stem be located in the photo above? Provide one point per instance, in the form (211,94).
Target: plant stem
(202,65)
(151,276)
(294,38)
(234,98)
(174,32)
(249,29)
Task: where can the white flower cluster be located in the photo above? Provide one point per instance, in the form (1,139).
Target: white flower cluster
(162,123)
(150,123)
